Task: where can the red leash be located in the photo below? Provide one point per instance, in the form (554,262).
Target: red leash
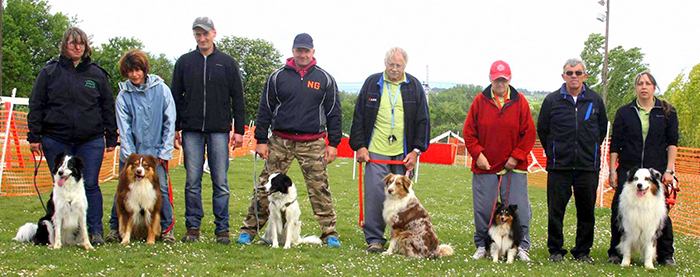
(362,215)
(170,195)
(498,193)
(672,193)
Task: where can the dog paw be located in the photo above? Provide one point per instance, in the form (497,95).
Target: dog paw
(625,264)
(287,247)
(386,253)
(57,246)
(89,247)
(275,246)
(649,266)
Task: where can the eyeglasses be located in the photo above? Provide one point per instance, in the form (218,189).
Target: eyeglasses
(396,65)
(578,73)
(76,43)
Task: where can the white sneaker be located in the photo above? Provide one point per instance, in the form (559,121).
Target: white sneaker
(480,253)
(523,255)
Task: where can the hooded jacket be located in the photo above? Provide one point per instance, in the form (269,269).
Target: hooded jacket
(499,133)
(206,90)
(72,104)
(146,119)
(294,104)
(571,132)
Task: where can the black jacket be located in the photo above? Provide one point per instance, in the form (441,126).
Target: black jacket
(206,90)
(627,137)
(72,104)
(416,114)
(292,104)
(571,133)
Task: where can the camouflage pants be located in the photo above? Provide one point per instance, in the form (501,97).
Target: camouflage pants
(311,156)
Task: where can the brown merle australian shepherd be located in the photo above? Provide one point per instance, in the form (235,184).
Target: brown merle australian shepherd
(138,199)
(412,231)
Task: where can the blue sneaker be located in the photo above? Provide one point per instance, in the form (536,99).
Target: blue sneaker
(244,239)
(332,242)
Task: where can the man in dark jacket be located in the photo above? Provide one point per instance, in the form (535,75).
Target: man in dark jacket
(572,124)
(207,88)
(391,122)
(300,104)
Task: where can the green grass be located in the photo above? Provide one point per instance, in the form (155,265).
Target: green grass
(444,190)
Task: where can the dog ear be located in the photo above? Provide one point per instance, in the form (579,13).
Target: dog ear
(78,163)
(152,161)
(655,174)
(57,162)
(513,207)
(630,174)
(405,182)
(387,179)
(499,205)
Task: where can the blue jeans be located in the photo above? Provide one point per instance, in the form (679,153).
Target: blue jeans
(166,213)
(193,144)
(92,153)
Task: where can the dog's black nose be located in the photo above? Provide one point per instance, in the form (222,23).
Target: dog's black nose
(639,186)
(390,191)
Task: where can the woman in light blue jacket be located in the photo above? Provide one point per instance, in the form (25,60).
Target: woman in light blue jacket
(146,119)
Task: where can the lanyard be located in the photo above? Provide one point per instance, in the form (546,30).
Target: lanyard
(393,99)
(498,102)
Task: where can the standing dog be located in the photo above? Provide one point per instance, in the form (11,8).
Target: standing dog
(65,220)
(642,213)
(139,199)
(505,234)
(283,223)
(412,231)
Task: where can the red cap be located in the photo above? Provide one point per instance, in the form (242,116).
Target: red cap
(500,69)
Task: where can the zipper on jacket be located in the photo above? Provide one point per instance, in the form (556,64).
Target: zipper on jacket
(204,111)
(554,153)
(576,134)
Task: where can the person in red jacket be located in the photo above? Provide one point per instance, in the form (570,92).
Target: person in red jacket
(499,134)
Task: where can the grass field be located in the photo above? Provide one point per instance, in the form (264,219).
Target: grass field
(445,191)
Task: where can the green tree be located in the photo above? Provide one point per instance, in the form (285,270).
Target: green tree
(257,58)
(347,104)
(448,108)
(623,67)
(31,37)
(683,94)
(107,55)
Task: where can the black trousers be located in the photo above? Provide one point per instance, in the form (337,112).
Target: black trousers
(559,185)
(664,244)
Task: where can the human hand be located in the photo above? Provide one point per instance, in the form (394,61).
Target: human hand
(482,163)
(331,154)
(35,147)
(511,163)
(613,179)
(178,140)
(262,150)
(362,155)
(110,149)
(410,161)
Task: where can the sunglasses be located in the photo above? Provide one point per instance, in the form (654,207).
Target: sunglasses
(578,73)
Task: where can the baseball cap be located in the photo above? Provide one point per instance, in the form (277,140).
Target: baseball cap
(303,40)
(204,23)
(500,69)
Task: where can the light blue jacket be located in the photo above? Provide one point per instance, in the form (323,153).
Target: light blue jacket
(146,119)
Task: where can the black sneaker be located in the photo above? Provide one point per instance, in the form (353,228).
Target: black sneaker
(112,236)
(614,259)
(670,262)
(96,239)
(556,258)
(191,235)
(585,258)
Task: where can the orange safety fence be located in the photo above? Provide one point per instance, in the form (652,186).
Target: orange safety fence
(18,170)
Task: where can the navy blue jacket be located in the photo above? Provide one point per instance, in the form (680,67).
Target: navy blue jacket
(571,133)
(627,138)
(72,104)
(416,120)
(292,104)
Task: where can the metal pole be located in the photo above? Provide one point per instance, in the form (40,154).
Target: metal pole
(605,61)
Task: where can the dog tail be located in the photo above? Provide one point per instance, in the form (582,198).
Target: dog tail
(311,240)
(444,250)
(26,233)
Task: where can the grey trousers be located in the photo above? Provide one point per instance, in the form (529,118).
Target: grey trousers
(484,190)
(374,196)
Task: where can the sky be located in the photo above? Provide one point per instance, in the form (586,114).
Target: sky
(456,40)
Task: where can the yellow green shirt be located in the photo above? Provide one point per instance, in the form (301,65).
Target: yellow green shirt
(644,119)
(382,126)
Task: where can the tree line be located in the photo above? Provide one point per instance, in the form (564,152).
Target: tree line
(31,37)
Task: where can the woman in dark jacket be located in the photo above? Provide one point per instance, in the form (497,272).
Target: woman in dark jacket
(71,110)
(645,135)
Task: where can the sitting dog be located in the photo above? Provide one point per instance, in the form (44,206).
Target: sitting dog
(412,231)
(283,225)
(642,214)
(505,234)
(139,199)
(66,215)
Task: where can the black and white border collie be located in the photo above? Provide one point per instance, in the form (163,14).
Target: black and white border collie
(412,232)
(283,225)
(65,220)
(642,214)
(505,234)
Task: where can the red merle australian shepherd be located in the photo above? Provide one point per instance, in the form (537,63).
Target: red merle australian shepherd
(412,231)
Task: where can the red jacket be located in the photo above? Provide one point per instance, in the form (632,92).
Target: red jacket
(499,134)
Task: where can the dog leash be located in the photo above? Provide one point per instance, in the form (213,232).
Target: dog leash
(170,195)
(36,172)
(672,193)
(498,193)
(255,185)
(362,216)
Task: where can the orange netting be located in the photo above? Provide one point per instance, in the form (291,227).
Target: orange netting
(18,170)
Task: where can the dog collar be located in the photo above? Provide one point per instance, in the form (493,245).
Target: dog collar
(289,203)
